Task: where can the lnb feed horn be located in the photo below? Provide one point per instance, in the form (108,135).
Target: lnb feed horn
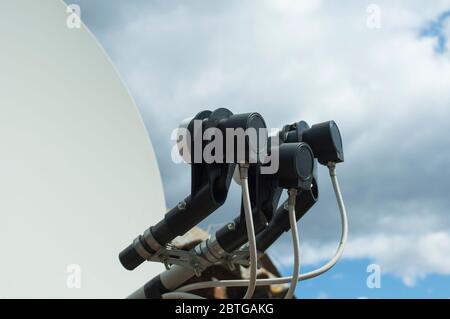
(233,138)
(324,138)
(296,170)
(209,184)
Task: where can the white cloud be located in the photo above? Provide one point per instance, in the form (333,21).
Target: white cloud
(409,257)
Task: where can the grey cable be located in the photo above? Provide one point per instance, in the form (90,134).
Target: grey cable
(295,242)
(243,169)
(309,275)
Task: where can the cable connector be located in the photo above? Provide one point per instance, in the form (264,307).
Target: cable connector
(243,170)
(332,168)
(292,197)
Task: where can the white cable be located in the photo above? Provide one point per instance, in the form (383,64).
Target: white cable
(309,275)
(180,295)
(295,242)
(250,231)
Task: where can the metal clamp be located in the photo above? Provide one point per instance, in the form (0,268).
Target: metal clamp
(171,255)
(202,256)
(240,257)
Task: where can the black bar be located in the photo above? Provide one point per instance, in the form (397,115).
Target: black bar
(231,238)
(280,222)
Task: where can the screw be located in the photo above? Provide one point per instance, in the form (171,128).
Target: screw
(231,226)
(182,205)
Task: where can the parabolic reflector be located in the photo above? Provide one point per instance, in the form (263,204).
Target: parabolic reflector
(78,176)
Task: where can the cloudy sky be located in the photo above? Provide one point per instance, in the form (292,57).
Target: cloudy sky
(381,71)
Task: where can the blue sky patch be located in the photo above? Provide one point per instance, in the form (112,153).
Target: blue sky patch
(436,29)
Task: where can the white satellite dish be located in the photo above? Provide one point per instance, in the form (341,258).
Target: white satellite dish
(78,176)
